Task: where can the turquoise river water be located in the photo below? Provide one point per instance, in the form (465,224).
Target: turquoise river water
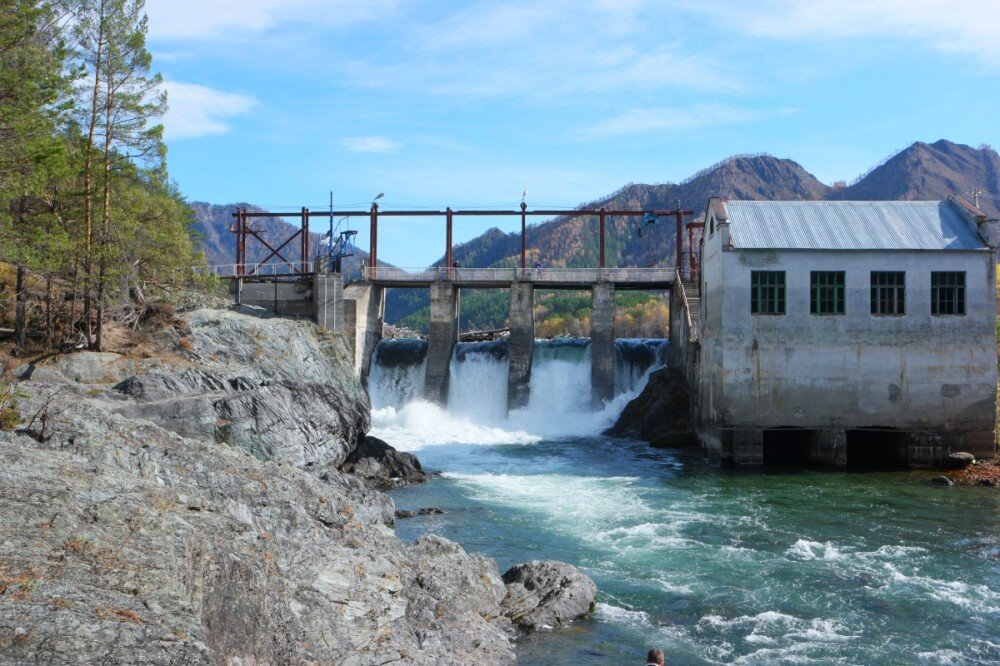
(712,566)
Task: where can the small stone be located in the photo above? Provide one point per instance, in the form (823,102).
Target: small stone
(992,483)
(960,460)
(942,481)
(427,511)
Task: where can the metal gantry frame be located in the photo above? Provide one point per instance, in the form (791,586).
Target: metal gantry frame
(243,229)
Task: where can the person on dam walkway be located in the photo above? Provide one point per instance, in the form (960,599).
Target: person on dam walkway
(655,658)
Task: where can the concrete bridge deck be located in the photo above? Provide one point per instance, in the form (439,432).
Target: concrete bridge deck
(545,278)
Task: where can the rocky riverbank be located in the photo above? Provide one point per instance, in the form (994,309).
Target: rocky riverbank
(190,504)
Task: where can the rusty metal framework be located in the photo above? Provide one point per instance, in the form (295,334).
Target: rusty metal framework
(244,230)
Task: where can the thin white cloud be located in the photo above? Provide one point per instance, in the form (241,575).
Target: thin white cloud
(960,26)
(370,144)
(196,110)
(646,120)
(545,49)
(226,19)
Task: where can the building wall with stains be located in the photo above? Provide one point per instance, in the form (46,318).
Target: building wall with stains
(858,370)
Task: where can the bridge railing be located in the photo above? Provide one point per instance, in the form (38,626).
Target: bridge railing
(270,269)
(501,275)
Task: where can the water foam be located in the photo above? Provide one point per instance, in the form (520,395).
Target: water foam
(559,403)
(420,424)
(576,505)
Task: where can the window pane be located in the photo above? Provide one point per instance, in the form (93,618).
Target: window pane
(947,293)
(888,292)
(767,292)
(826,292)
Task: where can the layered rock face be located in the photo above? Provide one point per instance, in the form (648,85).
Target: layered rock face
(137,529)
(661,414)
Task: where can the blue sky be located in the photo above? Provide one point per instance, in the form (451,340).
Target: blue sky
(277,102)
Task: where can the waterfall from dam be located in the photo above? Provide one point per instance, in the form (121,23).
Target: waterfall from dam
(560,389)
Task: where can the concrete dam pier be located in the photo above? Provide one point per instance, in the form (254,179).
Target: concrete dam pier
(364,311)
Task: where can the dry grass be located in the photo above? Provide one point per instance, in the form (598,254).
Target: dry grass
(119,614)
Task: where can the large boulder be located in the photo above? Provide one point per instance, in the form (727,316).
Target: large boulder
(382,465)
(661,414)
(545,594)
(960,460)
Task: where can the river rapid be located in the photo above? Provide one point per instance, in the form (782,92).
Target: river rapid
(712,566)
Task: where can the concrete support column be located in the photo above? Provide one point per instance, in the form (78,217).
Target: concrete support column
(368,311)
(747,448)
(829,448)
(328,299)
(602,342)
(441,340)
(521,344)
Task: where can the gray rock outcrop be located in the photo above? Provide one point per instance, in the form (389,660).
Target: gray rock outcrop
(544,594)
(137,529)
(269,386)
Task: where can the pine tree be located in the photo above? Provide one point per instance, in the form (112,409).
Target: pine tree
(33,102)
(125,98)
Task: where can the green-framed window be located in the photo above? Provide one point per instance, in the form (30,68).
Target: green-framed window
(888,292)
(767,292)
(947,293)
(826,292)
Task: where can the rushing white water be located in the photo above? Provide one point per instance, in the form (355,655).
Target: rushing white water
(559,403)
(397,372)
(477,386)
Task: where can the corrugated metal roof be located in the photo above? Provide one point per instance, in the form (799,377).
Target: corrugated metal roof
(851,225)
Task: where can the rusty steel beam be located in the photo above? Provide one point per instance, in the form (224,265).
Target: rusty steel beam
(680,240)
(449,219)
(305,235)
(241,241)
(275,252)
(524,232)
(473,213)
(243,230)
(601,216)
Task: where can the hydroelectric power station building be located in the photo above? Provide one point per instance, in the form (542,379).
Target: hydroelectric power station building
(837,332)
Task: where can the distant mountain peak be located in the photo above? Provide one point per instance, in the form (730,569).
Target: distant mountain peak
(932,171)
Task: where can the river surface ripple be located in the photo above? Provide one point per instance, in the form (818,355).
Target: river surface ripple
(716,566)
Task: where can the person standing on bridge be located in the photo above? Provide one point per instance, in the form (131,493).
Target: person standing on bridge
(538,263)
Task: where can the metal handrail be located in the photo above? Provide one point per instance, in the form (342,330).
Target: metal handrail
(435,273)
(259,270)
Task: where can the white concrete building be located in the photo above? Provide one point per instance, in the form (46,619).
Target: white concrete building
(847,332)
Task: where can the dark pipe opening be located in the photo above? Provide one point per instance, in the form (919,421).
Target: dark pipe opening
(876,448)
(788,447)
